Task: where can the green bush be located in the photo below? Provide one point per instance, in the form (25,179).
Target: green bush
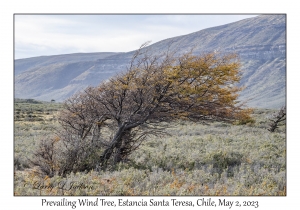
(225,161)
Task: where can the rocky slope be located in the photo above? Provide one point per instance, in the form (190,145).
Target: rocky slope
(260,42)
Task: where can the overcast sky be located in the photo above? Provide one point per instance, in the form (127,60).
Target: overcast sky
(37,35)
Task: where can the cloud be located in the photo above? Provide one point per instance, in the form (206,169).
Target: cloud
(37,35)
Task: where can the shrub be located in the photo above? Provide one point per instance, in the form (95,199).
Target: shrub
(244,117)
(277,118)
(225,161)
(46,156)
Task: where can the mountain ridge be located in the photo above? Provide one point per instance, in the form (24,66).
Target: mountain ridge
(259,41)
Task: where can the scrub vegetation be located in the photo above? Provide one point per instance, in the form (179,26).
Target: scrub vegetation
(169,125)
(193,159)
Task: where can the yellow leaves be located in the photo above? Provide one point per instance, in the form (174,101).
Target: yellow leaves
(282,192)
(176,184)
(130,192)
(124,86)
(191,188)
(75,114)
(222,191)
(56,139)
(248,160)
(244,116)
(206,188)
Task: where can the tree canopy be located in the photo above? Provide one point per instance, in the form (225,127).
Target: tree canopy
(103,125)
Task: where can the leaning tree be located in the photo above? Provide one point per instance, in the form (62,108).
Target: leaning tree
(103,125)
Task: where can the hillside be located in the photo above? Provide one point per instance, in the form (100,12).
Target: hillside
(260,42)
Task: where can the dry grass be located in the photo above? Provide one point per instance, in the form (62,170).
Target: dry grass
(196,159)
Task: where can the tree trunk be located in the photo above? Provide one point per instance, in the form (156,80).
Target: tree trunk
(122,147)
(117,140)
(118,149)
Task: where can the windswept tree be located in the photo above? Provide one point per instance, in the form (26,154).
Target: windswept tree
(105,124)
(277,119)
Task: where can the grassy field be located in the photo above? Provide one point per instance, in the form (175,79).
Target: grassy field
(194,159)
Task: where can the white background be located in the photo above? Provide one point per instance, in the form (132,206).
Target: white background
(8,8)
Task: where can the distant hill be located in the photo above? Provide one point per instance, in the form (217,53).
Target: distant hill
(260,42)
